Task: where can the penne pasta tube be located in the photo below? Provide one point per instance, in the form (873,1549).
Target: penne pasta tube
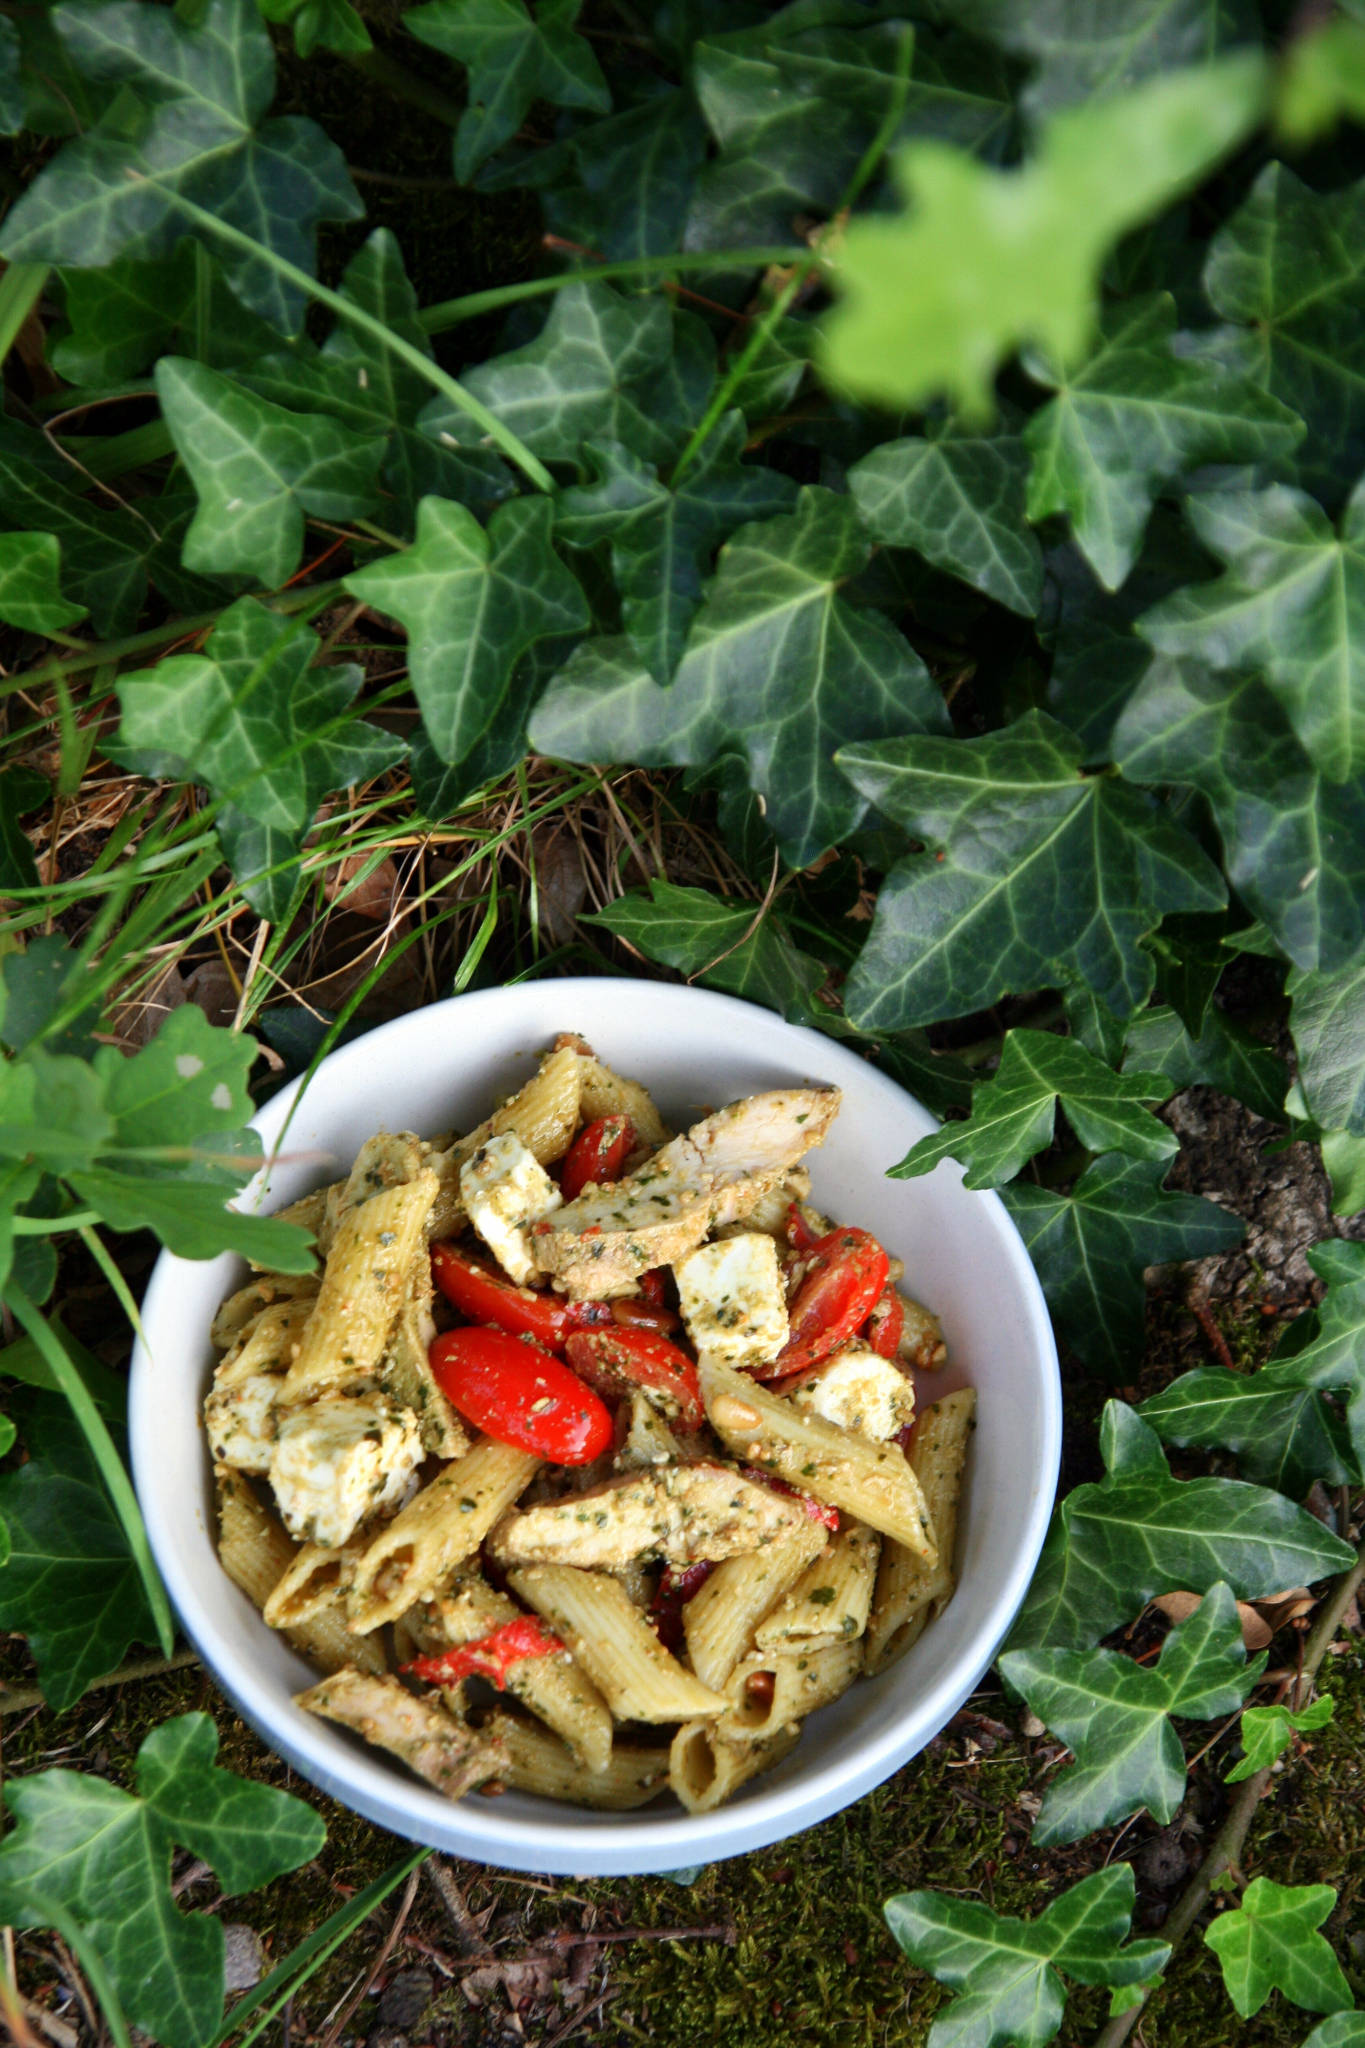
(833,1597)
(316,1576)
(256,1550)
(405,1375)
(265,1343)
(388,1160)
(921,1341)
(539,1762)
(362,1291)
(720,1618)
(260,1292)
(543,1114)
(445,1524)
(872,1481)
(614,1644)
(603,1092)
(704,1770)
(446,1753)
(910,1592)
(768,1692)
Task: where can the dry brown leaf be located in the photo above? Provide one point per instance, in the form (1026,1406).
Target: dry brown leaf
(1178,1607)
(1279,1609)
(372,898)
(561,885)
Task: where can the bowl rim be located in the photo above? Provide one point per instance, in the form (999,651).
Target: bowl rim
(480,1831)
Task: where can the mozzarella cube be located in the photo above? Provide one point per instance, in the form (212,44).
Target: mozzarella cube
(240,1419)
(339,1461)
(505,1189)
(732,1299)
(860,1390)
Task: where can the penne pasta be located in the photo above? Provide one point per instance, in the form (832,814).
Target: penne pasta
(720,1618)
(543,1114)
(870,1480)
(256,1550)
(362,1291)
(438,1530)
(260,1292)
(704,1770)
(909,1592)
(833,1597)
(614,1644)
(768,1691)
(538,1762)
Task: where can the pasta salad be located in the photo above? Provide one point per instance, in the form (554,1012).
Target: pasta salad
(589,1462)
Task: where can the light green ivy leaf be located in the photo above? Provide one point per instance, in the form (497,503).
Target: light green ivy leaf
(1116,1716)
(1268,1731)
(1269,1943)
(30,584)
(957,498)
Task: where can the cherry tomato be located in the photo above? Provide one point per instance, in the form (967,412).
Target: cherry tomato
(616,1361)
(598,1153)
(674,1590)
(492,1656)
(800,1236)
(654,1287)
(516,1393)
(487,1298)
(886,1324)
(846,1275)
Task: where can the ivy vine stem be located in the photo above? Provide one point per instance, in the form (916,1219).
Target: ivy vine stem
(1227,1844)
(450,312)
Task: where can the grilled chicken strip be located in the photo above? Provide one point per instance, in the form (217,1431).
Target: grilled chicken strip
(710,1176)
(682,1513)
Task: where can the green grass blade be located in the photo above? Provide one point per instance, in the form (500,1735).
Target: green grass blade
(21,287)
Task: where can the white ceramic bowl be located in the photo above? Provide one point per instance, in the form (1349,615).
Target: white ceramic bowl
(443,1066)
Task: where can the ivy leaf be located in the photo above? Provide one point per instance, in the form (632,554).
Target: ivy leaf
(1115,1544)
(1115,1715)
(1091,1246)
(729,945)
(1036,875)
(1130,421)
(1291,608)
(187,125)
(1343,2030)
(637,171)
(1014,1112)
(30,584)
(105,1855)
(662,539)
(1268,1731)
(1080,53)
(603,368)
(1327,1018)
(263,725)
(1224,1055)
(21,791)
(514,58)
(473,603)
(957,498)
(1269,1944)
(321,25)
(1335,1361)
(1293,844)
(983,261)
(1283,1432)
(1008,1972)
(34,986)
(71,1585)
(122,317)
(778,666)
(1289,270)
(258,470)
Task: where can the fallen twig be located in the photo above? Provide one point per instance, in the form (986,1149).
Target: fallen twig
(15,1699)
(386,1949)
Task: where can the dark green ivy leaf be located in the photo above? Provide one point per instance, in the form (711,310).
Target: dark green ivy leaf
(189,125)
(1224,1055)
(30,584)
(1335,1360)
(1132,419)
(729,945)
(105,1855)
(105,549)
(1034,875)
(123,316)
(662,538)
(1327,1018)
(1268,1943)
(957,498)
(777,666)
(514,57)
(21,791)
(1293,844)
(1090,1248)
(1014,1112)
(1115,1716)
(1079,51)
(1114,1545)
(1282,1430)
(1008,1973)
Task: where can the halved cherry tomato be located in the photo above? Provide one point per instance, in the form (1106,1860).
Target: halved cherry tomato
(886,1324)
(846,1275)
(492,1656)
(654,1287)
(800,1236)
(598,1153)
(616,1361)
(672,1594)
(516,1393)
(487,1298)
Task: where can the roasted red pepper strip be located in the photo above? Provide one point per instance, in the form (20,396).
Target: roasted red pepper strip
(598,1153)
(492,1656)
(674,1590)
(616,1361)
(800,1236)
(816,1510)
(886,1324)
(487,1298)
(516,1393)
(654,1287)
(846,1275)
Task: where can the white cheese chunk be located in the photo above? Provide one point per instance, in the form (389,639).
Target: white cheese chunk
(338,1461)
(240,1419)
(733,1300)
(859,1390)
(505,1189)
